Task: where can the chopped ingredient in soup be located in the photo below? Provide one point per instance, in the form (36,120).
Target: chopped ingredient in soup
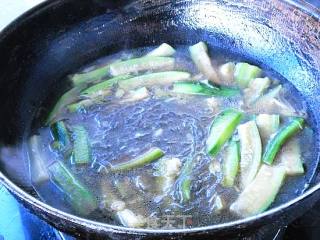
(169,132)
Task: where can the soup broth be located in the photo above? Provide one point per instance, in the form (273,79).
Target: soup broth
(170,138)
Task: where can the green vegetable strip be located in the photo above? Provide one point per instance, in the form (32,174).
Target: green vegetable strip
(87,77)
(274,144)
(74,107)
(60,134)
(222,129)
(79,197)
(245,72)
(144,159)
(67,98)
(231,164)
(141,64)
(103,87)
(184,183)
(199,88)
(161,78)
(81,145)
(164,50)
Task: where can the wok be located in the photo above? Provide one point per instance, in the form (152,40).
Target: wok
(57,37)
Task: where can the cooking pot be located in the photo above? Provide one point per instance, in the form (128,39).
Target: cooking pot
(54,39)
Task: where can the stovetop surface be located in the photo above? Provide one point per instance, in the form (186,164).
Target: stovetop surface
(17,223)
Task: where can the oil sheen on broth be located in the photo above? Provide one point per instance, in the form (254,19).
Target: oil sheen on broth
(169,138)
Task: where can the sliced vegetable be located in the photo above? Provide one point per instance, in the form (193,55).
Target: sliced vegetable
(120,211)
(141,64)
(103,88)
(164,50)
(231,164)
(290,158)
(110,198)
(226,72)
(38,170)
(273,93)
(131,195)
(267,124)
(269,103)
(167,171)
(244,73)
(260,193)
(81,145)
(144,159)
(184,181)
(222,129)
(151,79)
(90,76)
(255,89)
(125,188)
(67,98)
(250,152)
(284,133)
(200,57)
(199,88)
(219,204)
(83,104)
(79,197)
(136,95)
(129,219)
(60,134)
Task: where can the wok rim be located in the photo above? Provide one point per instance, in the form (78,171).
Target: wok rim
(95,225)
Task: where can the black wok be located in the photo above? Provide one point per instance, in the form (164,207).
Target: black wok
(57,37)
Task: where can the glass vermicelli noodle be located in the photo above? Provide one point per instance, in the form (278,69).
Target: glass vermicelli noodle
(155,133)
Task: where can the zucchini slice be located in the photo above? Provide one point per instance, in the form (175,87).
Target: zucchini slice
(90,76)
(200,57)
(261,192)
(103,88)
(244,73)
(78,195)
(255,89)
(142,160)
(74,107)
(67,98)
(136,65)
(81,145)
(222,129)
(167,170)
(129,219)
(136,95)
(230,165)
(185,179)
(152,79)
(38,170)
(270,104)
(250,152)
(226,72)
(290,158)
(61,135)
(267,124)
(164,50)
